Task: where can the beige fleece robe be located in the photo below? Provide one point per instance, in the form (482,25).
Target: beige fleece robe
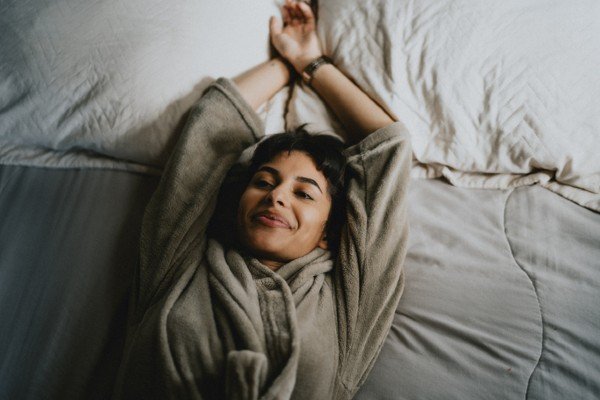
(209,322)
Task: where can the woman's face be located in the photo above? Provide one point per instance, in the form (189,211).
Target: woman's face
(283,211)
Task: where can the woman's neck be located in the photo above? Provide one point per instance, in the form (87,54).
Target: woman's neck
(271,264)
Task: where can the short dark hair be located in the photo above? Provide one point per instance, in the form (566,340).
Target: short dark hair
(325,150)
(327,153)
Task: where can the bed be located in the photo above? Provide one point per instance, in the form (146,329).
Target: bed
(502,298)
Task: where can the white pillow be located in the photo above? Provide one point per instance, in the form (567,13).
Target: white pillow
(495,94)
(87,84)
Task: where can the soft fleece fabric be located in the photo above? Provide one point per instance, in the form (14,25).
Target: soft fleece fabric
(208,322)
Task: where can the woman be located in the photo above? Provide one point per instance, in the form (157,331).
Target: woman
(270,313)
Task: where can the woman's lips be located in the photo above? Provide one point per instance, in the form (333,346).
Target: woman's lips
(272,220)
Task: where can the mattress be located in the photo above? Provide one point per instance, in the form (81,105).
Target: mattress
(502,298)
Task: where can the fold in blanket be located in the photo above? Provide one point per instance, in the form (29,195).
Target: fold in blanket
(208,321)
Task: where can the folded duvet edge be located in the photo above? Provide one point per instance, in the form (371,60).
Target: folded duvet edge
(500,181)
(82,159)
(25,156)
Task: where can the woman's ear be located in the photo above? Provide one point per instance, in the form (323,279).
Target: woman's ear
(323,242)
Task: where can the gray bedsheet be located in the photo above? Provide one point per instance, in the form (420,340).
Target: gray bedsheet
(68,244)
(502,297)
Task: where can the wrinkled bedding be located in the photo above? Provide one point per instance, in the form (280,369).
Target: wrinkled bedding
(106,84)
(495,94)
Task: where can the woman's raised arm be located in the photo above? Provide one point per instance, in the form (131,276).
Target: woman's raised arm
(359,114)
(298,43)
(260,83)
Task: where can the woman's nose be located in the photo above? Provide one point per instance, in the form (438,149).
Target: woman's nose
(277,195)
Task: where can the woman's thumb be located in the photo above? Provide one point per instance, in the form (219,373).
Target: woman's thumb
(274,25)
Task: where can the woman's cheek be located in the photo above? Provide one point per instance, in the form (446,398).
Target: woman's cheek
(312,217)
(244,211)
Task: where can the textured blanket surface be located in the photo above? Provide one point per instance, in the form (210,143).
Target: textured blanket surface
(502,299)
(106,84)
(495,94)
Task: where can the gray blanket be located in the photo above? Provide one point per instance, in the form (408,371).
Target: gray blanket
(209,321)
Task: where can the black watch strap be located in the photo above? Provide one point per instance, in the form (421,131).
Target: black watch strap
(309,71)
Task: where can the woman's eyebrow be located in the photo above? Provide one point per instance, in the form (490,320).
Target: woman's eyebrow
(270,170)
(303,179)
(308,180)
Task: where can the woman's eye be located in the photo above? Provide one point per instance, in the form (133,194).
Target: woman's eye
(303,195)
(261,183)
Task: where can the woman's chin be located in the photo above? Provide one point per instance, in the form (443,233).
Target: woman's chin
(262,245)
(266,251)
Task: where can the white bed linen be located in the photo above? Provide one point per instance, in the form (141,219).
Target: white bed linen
(495,94)
(106,83)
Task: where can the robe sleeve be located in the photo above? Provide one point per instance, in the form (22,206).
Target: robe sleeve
(369,276)
(219,127)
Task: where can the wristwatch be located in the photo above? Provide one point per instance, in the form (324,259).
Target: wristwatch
(309,70)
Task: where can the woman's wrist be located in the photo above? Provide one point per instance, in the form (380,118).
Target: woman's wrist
(283,68)
(260,83)
(311,69)
(301,63)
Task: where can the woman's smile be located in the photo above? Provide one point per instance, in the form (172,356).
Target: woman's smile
(272,219)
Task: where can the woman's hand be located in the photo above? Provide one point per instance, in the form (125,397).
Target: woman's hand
(298,44)
(297,39)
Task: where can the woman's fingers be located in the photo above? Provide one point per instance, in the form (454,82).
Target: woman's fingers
(285,14)
(293,11)
(297,13)
(275,26)
(306,11)
(287,9)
